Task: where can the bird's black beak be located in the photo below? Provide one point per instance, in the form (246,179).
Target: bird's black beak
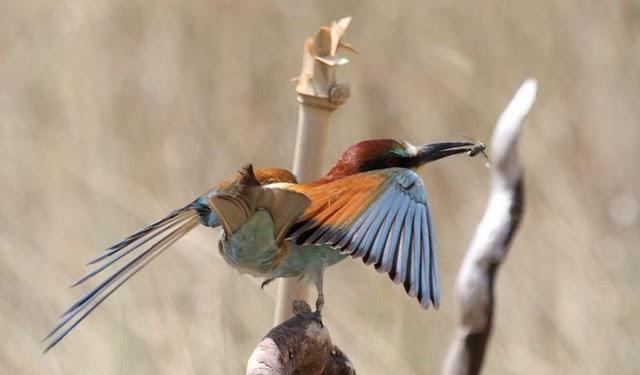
(435,151)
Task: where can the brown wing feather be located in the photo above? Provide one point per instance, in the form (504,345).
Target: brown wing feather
(338,203)
(238,203)
(264,176)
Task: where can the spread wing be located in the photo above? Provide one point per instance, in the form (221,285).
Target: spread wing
(382,217)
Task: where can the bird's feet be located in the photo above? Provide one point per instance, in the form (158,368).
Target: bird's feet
(266,282)
(317,280)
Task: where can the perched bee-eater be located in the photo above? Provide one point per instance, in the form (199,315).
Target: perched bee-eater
(371,205)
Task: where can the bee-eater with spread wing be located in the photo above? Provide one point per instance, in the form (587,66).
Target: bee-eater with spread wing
(371,205)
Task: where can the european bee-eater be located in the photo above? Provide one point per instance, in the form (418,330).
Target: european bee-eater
(371,205)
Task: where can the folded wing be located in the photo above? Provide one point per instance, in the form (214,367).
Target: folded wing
(236,206)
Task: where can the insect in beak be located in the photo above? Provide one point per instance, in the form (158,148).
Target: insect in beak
(478,148)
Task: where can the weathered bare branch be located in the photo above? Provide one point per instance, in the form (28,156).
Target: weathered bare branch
(490,243)
(300,345)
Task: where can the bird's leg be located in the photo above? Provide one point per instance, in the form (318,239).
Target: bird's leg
(320,299)
(317,276)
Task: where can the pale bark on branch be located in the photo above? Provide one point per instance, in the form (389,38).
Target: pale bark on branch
(300,345)
(491,241)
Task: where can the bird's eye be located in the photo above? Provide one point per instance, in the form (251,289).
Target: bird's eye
(391,161)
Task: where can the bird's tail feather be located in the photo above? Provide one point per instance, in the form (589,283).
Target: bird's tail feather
(177,223)
(153,227)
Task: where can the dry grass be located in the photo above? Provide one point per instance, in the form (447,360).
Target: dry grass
(113,113)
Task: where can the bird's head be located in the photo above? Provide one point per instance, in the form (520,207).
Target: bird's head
(388,153)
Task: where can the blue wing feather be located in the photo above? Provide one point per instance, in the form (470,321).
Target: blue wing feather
(433,266)
(416,254)
(400,270)
(374,228)
(391,246)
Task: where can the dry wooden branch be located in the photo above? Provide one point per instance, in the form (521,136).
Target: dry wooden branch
(490,243)
(301,345)
(318,95)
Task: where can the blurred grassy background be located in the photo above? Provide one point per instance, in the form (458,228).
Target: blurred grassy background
(113,113)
